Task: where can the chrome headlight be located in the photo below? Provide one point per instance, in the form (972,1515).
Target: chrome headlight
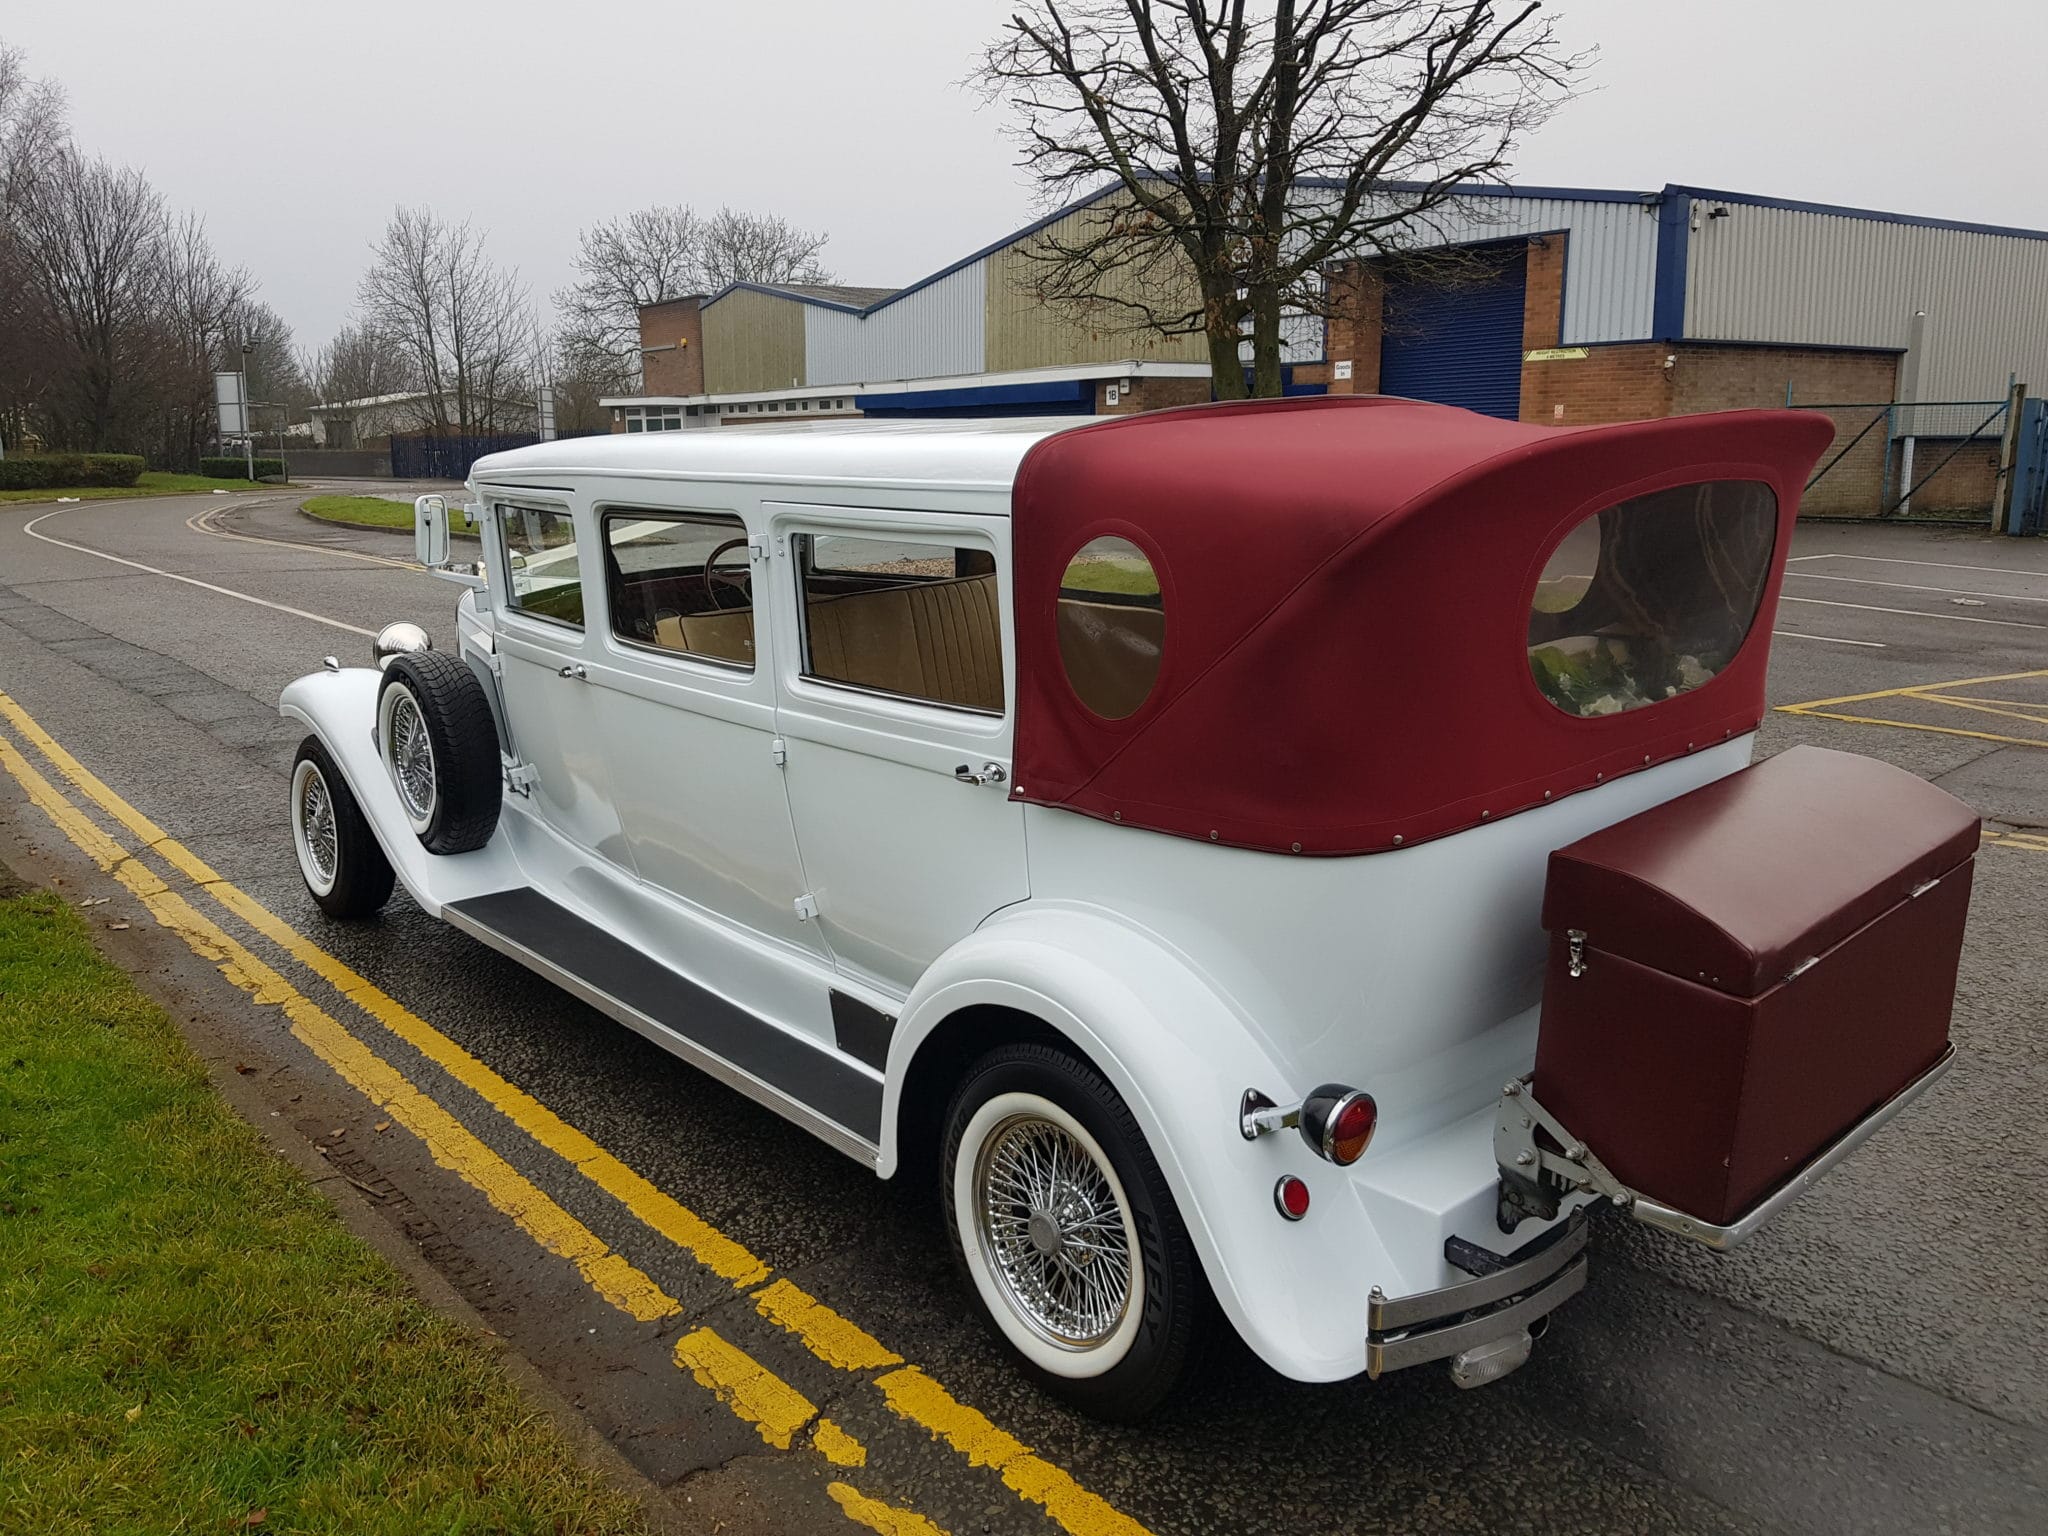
(395,638)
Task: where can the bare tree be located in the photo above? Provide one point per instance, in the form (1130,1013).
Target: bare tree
(360,363)
(464,325)
(1254,142)
(668,253)
(32,138)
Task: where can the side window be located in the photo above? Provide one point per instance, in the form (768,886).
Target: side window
(1651,598)
(542,576)
(681,583)
(918,620)
(1112,626)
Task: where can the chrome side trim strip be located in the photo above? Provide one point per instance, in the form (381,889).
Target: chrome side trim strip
(791,1109)
(1663,1217)
(1384,1316)
(1426,1344)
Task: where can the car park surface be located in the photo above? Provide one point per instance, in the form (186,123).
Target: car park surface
(1877,1333)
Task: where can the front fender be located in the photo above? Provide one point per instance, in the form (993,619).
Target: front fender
(340,708)
(1181,1056)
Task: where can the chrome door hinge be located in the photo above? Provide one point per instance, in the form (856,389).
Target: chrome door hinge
(779,750)
(806,907)
(521,777)
(758,551)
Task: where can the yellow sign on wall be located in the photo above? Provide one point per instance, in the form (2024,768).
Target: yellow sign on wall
(1555,355)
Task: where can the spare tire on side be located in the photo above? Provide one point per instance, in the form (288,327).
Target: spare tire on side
(440,746)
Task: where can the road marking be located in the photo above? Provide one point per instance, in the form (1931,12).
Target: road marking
(29,528)
(832,1338)
(837,1446)
(1932,565)
(775,1408)
(916,1397)
(1913,613)
(1889,693)
(1800,634)
(451,1144)
(880,1517)
(1907,586)
(204,523)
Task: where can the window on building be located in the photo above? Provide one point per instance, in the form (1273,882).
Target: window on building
(681,582)
(1651,598)
(1112,626)
(916,620)
(542,573)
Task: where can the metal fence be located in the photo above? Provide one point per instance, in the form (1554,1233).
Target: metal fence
(1928,460)
(449,458)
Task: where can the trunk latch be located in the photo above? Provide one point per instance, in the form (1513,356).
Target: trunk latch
(1575,950)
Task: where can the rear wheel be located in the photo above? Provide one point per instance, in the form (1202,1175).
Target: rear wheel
(440,746)
(1067,1234)
(343,867)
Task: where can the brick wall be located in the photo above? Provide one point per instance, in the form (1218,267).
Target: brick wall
(1543,293)
(672,347)
(1357,306)
(1618,383)
(1149,395)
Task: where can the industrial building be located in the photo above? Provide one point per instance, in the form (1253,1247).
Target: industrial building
(1569,305)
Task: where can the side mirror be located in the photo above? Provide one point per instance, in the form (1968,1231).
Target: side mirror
(430,530)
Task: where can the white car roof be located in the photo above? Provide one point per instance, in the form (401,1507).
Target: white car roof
(965,454)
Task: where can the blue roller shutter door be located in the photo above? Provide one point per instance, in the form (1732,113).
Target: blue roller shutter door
(1458,340)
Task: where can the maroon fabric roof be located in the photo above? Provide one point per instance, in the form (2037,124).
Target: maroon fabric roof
(1346,585)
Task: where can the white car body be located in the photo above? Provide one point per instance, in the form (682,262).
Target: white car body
(770,840)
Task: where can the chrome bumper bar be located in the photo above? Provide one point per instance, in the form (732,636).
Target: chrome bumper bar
(1436,1325)
(1663,1217)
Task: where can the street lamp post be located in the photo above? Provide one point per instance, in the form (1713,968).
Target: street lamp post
(248,421)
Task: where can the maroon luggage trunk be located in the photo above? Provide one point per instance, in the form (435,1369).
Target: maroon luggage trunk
(1762,963)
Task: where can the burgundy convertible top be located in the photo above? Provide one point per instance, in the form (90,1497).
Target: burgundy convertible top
(1346,586)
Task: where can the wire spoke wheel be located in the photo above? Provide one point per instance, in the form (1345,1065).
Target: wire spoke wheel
(1052,1224)
(316,816)
(412,756)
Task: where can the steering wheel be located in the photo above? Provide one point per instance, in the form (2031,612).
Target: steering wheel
(741,582)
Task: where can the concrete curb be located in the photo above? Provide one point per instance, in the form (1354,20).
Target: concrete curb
(342,522)
(357,1212)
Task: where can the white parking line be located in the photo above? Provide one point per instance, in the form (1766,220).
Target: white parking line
(1934,565)
(1904,586)
(29,528)
(1800,634)
(1915,613)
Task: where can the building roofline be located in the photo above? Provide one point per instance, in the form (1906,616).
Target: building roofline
(1840,211)
(1069,372)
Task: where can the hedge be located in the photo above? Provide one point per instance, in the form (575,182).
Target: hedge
(63,471)
(237,468)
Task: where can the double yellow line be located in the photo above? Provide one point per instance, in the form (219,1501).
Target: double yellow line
(783,1416)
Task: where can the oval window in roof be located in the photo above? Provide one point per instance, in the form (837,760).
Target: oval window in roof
(1112,626)
(1652,597)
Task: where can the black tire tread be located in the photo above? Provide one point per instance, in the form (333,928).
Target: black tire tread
(363,878)
(469,785)
(1168,1349)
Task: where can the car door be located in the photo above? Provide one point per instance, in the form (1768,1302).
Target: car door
(544,648)
(685,697)
(893,705)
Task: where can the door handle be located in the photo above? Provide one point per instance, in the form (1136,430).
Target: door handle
(575,672)
(991,773)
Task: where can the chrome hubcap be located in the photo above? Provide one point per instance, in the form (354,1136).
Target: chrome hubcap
(316,820)
(1053,1232)
(412,757)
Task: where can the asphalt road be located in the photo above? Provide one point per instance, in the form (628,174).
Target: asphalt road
(1875,1361)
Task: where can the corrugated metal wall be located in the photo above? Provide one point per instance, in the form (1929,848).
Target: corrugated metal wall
(934,332)
(753,341)
(1610,264)
(1787,275)
(1023,332)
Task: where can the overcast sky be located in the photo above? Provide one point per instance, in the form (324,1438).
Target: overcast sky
(295,129)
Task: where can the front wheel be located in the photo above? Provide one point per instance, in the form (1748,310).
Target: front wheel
(343,867)
(1068,1236)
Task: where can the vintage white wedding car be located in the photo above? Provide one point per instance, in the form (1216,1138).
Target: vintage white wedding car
(1285,858)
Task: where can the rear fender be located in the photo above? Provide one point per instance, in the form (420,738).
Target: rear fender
(340,708)
(1181,1057)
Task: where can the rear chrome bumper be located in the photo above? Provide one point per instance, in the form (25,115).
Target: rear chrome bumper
(1438,1325)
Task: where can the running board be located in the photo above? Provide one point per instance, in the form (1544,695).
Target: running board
(804,1083)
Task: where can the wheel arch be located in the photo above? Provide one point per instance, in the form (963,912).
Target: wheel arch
(1180,1056)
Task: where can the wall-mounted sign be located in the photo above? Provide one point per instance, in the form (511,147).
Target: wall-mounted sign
(1555,355)
(1341,370)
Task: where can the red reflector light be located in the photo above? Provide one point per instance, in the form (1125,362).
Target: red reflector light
(1290,1197)
(1351,1128)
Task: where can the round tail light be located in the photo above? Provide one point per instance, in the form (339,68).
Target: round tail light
(1290,1197)
(1337,1122)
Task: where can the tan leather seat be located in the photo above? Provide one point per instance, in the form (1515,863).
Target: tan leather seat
(727,636)
(1111,652)
(939,640)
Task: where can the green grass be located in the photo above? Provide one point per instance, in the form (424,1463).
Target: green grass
(151,483)
(188,1334)
(1124,576)
(380,512)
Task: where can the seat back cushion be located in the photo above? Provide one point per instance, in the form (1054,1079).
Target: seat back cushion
(937,640)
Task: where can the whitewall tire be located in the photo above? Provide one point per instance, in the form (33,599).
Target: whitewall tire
(344,869)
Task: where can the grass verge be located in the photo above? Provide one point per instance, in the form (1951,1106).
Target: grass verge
(189,1338)
(151,483)
(380,513)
